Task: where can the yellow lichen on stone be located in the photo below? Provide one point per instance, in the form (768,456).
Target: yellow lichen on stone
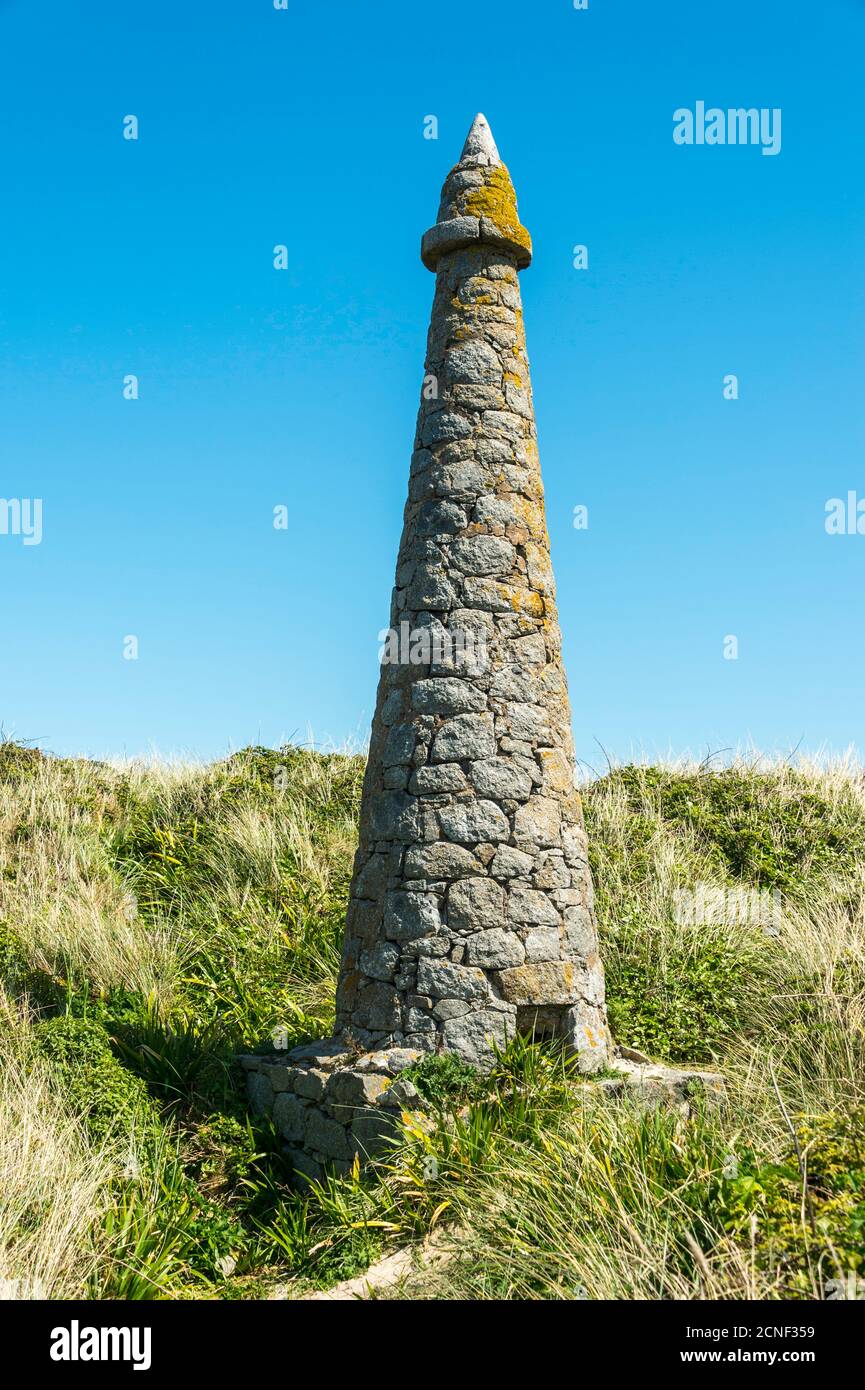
(495,198)
(469,303)
(532,516)
(497,201)
(528,602)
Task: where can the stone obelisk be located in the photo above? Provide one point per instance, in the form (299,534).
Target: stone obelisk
(471,911)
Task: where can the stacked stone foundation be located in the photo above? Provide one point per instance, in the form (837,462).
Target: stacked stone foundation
(332,1106)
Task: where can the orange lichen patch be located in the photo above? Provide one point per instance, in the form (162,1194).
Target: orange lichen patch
(572,808)
(558,773)
(553,982)
(513,380)
(532,516)
(527,602)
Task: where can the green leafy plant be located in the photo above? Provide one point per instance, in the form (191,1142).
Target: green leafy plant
(109,1099)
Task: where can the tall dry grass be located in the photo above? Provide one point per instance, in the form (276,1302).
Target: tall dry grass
(72,914)
(55,1186)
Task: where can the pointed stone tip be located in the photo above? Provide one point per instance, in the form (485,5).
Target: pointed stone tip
(479,141)
(478,205)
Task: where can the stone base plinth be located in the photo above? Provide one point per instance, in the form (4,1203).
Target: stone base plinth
(331,1105)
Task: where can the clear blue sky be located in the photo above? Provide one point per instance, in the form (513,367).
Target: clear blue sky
(260,387)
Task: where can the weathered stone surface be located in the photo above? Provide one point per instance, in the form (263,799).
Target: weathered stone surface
(440,862)
(474,822)
(466,737)
(326,1136)
(656,1084)
(290,1116)
(542,944)
(348,1089)
(400,1095)
(377,1007)
(451,1008)
(395,817)
(381,961)
(482,555)
(579,931)
(309,1083)
(575,845)
(279,1076)
(528,905)
(475,904)
(326,1055)
(501,778)
(551,982)
(538,823)
(511,863)
(419,1021)
(430,589)
(580,1032)
(410,915)
(475,362)
(447,777)
(517,684)
(475,1036)
(389,1061)
(306,1169)
(551,871)
(399,745)
(443,980)
(371,1132)
(447,695)
(260,1093)
(495,949)
(372,875)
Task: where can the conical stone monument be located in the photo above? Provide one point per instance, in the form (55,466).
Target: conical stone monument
(470,918)
(471,910)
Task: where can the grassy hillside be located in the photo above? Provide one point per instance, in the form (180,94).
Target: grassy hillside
(155,920)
